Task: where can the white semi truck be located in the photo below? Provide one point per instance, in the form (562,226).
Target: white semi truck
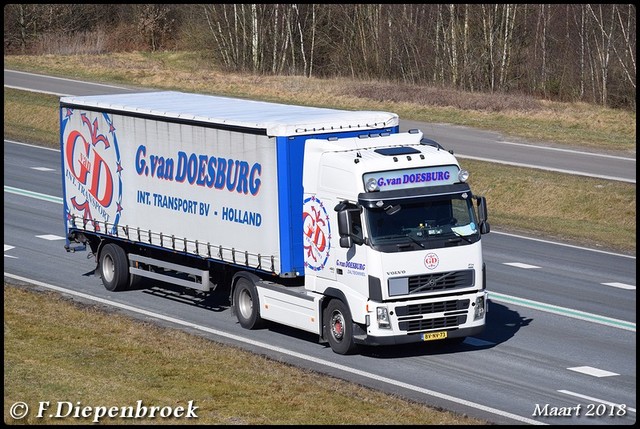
(330,221)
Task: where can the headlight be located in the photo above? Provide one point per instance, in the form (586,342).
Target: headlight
(382,315)
(463,175)
(479,308)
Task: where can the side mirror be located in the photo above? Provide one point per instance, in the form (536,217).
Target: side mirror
(483,215)
(346,242)
(344,228)
(345,225)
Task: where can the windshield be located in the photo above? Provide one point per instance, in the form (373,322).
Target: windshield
(424,220)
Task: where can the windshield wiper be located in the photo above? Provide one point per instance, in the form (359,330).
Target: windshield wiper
(461,236)
(396,236)
(415,241)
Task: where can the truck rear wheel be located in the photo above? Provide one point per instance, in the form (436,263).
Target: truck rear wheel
(114,268)
(338,327)
(247,305)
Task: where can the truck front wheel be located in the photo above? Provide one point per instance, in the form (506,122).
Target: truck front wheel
(338,327)
(247,306)
(114,268)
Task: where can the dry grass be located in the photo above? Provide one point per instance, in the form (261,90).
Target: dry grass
(30,117)
(594,212)
(518,116)
(57,350)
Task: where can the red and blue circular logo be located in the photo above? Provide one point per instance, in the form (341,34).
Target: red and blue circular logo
(93,171)
(431,261)
(317,234)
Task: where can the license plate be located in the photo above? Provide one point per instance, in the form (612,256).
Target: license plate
(430,336)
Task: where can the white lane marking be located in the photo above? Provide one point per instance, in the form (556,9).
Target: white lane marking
(592,399)
(32,145)
(568,151)
(282,351)
(620,285)
(562,244)
(65,79)
(50,237)
(7,247)
(595,372)
(520,265)
(43,169)
(59,94)
(539,167)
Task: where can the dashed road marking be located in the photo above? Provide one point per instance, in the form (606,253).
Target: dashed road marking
(595,372)
(50,237)
(520,265)
(620,285)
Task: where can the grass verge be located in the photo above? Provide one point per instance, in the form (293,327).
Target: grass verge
(518,116)
(56,350)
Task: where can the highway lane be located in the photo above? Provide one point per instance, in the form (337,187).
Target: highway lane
(528,356)
(464,141)
(523,359)
(505,253)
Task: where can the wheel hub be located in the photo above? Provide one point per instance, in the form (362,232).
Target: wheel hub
(337,326)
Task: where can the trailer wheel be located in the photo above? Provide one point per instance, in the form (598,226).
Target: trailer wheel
(338,328)
(114,268)
(247,305)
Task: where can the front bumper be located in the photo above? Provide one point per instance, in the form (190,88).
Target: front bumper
(371,340)
(410,320)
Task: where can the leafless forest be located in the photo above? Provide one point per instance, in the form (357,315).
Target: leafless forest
(570,52)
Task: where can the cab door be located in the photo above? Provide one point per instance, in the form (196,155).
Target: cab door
(319,232)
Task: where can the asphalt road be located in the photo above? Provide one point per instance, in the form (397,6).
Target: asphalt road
(561,330)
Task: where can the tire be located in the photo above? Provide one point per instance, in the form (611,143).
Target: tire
(114,268)
(247,304)
(338,328)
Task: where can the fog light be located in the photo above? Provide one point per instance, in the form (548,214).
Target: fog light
(479,308)
(383,318)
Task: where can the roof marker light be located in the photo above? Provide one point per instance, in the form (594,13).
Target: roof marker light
(372,185)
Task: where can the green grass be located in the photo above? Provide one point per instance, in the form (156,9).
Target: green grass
(30,117)
(58,350)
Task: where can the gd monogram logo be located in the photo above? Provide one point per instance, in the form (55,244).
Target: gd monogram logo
(317,234)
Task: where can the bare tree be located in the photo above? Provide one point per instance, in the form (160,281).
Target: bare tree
(627,58)
(602,38)
(581,51)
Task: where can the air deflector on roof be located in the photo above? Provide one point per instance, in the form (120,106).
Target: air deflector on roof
(395,151)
